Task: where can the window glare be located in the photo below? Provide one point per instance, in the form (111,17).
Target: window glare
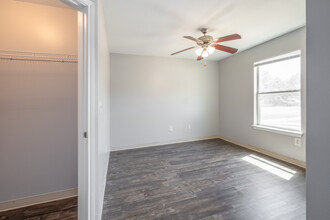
(278,94)
(279,76)
(280,110)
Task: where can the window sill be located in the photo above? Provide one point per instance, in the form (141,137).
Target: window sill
(279,131)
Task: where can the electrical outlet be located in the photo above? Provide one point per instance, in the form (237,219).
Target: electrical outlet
(189,126)
(170,128)
(297,141)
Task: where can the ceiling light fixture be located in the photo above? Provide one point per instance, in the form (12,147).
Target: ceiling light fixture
(202,52)
(206,45)
(210,50)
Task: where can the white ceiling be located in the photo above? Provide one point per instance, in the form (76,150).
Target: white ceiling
(156,27)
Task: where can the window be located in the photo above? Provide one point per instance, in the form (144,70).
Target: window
(277,93)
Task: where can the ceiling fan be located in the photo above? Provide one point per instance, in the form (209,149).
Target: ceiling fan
(206,45)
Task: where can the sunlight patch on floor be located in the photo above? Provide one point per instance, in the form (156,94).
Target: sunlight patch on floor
(270,166)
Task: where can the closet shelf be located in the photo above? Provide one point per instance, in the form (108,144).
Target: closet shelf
(36,56)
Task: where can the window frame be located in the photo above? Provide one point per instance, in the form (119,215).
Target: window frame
(256,118)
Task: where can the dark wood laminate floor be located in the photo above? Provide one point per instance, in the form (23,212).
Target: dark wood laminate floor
(200,180)
(64,209)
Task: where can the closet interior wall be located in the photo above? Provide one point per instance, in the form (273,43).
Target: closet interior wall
(38,101)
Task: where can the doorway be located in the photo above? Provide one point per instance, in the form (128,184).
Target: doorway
(80,100)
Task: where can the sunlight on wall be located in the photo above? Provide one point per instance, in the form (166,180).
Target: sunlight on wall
(271,167)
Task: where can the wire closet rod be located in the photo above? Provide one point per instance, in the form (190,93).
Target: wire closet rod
(36,56)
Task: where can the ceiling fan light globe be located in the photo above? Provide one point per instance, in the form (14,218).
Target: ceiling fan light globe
(202,51)
(205,54)
(210,50)
(198,51)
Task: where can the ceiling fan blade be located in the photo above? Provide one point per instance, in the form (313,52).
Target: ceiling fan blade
(225,49)
(183,50)
(228,38)
(192,38)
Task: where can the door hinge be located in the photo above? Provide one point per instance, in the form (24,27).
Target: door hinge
(85,134)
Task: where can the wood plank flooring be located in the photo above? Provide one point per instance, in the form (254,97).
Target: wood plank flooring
(64,209)
(200,180)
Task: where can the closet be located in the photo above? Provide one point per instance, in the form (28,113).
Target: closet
(38,98)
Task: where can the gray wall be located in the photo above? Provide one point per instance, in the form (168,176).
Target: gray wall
(38,102)
(236,91)
(150,93)
(38,128)
(318,109)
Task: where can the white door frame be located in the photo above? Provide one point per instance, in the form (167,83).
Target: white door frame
(87,105)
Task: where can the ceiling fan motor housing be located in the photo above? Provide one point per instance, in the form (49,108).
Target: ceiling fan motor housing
(206,40)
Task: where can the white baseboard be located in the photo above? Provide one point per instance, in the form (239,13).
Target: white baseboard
(161,143)
(267,152)
(33,200)
(250,147)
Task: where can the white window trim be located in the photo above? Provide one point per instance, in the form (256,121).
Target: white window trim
(279,130)
(283,131)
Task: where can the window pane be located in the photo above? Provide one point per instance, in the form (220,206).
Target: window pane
(280,76)
(281,110)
